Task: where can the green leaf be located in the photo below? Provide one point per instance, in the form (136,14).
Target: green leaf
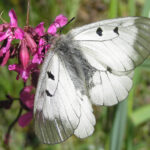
(140,115)
(132,7)
(113,9)
(119,126)
(146,9)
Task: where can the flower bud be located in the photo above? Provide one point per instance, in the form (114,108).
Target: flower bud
(24,54)
(30,42)
(13,18)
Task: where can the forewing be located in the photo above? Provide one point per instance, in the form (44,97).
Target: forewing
(114,48)
(118,44)
(57,107)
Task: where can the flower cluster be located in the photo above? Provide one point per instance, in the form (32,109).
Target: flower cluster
(29,46)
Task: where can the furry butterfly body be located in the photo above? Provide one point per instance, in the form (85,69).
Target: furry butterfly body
(92,64)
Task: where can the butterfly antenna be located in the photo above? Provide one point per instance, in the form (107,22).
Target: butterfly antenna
(66,24)
(70,20)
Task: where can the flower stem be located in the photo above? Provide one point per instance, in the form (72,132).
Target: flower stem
(28,11)
(13,123)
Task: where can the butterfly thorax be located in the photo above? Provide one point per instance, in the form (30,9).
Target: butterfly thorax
(79,69)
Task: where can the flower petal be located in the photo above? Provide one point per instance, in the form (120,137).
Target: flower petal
(24,54)
(25,119)
(27,97)
(5,59)
(37,59)
(13,18)
(7,47)
(61,20)
(4,26)
(30,42)
(24,75)
(39,29)
(3,36)
(14,67)
(52,29)
(42,44)
(19,33)
(27,89)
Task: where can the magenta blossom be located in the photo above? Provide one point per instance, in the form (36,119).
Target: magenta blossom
(10,32)
(27,99)
(32,47)
(59,22)
(25,119)
(30,52)
(24,73)
(39,55)
(43,46)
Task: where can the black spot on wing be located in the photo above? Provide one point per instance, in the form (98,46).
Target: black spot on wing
(99,31)
(109,69)
(48,93)
(50,75)
(116,30)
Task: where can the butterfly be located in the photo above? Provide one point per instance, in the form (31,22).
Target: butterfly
(93,64)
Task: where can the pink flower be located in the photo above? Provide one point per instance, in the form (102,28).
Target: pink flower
(24,55)
(5,58)
(24,73)
(30,52)
(59,22)
(39,55)
(43,46)
(27,98)
(25,119)
(39,29)
(4,26)
(30,42)
(13,17)
(8,33)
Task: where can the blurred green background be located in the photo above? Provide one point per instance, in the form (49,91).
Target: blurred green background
(122,127)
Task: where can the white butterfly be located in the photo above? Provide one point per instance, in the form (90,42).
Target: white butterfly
(92,64)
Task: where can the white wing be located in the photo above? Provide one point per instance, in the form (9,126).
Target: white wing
(58,108)
(108,89)
(114,48)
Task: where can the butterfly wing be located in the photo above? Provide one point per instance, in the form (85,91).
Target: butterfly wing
(56,109)
(114,48)
(59,110)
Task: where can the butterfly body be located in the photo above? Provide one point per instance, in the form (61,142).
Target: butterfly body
(79,69)
(93,64)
